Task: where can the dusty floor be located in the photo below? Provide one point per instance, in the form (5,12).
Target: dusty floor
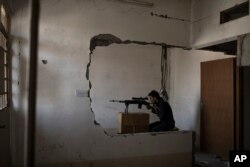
(209,160)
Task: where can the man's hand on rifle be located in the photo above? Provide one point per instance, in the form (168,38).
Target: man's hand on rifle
(154,109)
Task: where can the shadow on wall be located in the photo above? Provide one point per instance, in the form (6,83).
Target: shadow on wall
(47,79)
(196,127)
(19,96)
(15,6)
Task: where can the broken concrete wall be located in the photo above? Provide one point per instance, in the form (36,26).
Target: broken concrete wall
(65,124)
(206,27)
(185,86)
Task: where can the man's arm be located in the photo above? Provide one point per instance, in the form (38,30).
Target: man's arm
(154,109)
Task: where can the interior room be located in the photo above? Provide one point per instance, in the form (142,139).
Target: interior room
(76,77)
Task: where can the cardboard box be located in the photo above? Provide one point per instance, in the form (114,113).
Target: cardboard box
(133,122)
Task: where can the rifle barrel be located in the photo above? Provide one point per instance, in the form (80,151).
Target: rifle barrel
(140,98)
(119,101)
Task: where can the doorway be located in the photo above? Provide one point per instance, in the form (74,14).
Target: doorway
(218,106)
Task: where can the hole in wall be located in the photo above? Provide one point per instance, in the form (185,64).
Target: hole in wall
(44,61)
(123,70)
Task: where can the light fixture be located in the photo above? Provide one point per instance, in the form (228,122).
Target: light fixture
(137,2)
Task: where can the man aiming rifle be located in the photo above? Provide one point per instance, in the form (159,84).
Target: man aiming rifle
(163,110)
(159,107)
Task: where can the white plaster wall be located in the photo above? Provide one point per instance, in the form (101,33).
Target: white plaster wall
(19,71)
(244,56)
(65,123)
(185,86)
(206,27)
(120,72)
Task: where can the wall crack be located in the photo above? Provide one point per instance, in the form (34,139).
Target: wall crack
(165,16)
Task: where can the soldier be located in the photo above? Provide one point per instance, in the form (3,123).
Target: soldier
(163,111)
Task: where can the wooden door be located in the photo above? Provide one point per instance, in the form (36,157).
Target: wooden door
(218,106)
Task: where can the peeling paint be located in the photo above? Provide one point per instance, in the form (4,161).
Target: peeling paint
(165,16)
(103,40)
